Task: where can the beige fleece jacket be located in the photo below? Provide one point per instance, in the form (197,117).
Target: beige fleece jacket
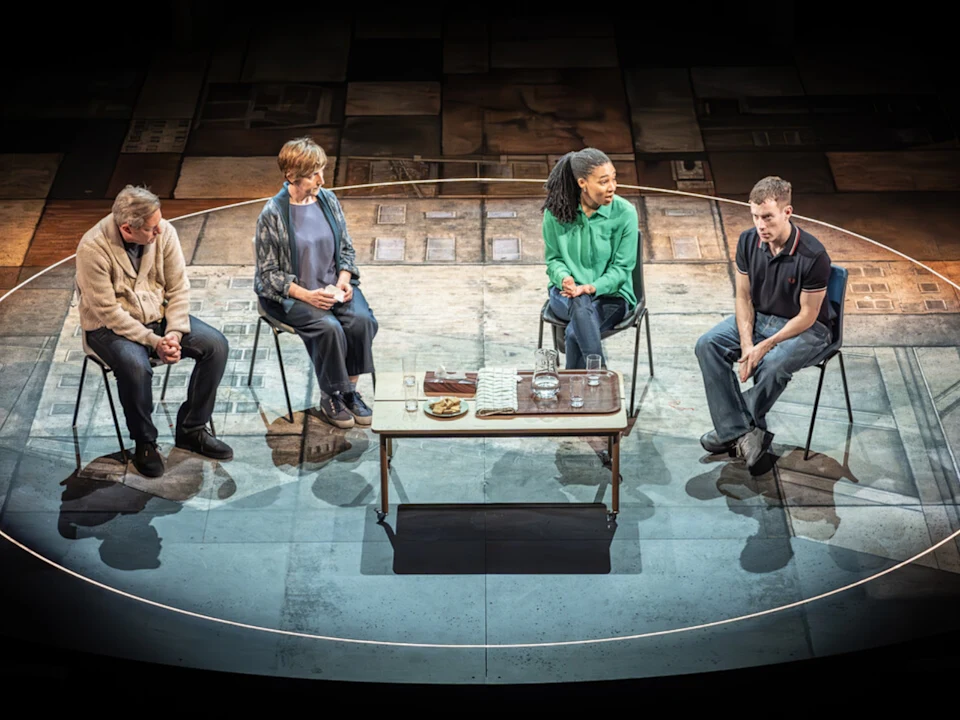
(112,295)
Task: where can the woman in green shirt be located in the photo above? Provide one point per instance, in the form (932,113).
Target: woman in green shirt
(590,245)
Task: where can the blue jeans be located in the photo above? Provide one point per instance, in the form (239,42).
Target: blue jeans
(735,413)
(587,316)
(130,362)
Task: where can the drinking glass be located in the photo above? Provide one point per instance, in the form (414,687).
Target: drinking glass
(410,399)
(409,370)
(593,369)
(576,391)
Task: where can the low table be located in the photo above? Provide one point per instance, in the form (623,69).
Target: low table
(391,421)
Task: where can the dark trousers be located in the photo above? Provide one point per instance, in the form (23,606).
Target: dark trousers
(130,362)
(339,340)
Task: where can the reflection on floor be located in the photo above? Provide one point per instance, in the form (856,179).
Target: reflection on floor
(495,541)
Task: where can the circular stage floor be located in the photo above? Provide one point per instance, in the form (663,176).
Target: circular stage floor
(497,563)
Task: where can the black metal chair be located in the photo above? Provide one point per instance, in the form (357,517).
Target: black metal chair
(279,327)
(836,293)
(106,370)
(633,319)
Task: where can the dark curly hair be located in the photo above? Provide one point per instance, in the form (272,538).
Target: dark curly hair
(563,192)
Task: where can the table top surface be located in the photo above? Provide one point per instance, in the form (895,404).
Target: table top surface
(389,416)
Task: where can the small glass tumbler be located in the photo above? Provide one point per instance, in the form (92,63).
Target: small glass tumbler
(410,399)
(577,383)
(593,369)
(409,370)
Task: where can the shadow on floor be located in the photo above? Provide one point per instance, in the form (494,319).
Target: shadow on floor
(476,539)
(809,495)
(99,502)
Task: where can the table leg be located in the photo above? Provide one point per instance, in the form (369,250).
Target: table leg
(615,470)
(389,449)
(384,479)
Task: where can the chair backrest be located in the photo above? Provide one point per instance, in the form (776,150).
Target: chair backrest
(836,295)
(638,288)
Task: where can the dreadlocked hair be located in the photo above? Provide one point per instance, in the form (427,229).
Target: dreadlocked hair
(563,192)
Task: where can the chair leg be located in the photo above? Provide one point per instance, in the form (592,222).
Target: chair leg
(283,374)
(373,376)
(649,346)
(813,418)
(540,341)
(166,379)
(213,429)
(83,374)
(113,411)
(846,393)
(253,358)
(633,380)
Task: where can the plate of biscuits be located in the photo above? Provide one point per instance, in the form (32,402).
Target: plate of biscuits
(446,407)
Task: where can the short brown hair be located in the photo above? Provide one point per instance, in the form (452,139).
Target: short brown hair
(301,158)
(133,205)
(772,187)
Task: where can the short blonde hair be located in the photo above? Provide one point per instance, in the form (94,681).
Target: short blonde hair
(772,187)
(134,205)
(301,158)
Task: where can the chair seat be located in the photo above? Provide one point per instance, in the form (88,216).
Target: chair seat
(628,321)
(87,350)
(273,322)
(827,353)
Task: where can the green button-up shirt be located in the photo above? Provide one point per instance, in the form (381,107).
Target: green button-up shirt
(600,250)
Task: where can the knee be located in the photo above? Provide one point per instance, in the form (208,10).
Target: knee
(367,325)
(581,303)
(775,369)
(703,345)
(209,345)
(219,348)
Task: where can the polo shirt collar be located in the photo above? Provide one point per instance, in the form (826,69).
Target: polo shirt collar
(792,243)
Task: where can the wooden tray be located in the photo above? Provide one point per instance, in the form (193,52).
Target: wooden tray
(453,388)
(597,400)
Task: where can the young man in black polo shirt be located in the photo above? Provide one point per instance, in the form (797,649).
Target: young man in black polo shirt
(781,324)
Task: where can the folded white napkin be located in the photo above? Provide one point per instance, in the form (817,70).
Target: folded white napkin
(496,391)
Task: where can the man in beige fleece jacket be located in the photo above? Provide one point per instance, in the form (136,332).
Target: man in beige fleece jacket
(134,296)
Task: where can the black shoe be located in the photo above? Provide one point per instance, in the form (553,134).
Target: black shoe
(362,414)
(200,441)
(711,443)
(203,443)
(147,459)
(334,410)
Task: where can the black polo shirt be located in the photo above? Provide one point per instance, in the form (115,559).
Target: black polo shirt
(777,281)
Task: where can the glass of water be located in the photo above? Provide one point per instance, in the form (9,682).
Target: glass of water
(593,369)
(409,370)
(577,383)
(410,394)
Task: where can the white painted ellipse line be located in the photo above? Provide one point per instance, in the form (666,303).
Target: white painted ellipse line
(479,646)
(486,646)
(665,191)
